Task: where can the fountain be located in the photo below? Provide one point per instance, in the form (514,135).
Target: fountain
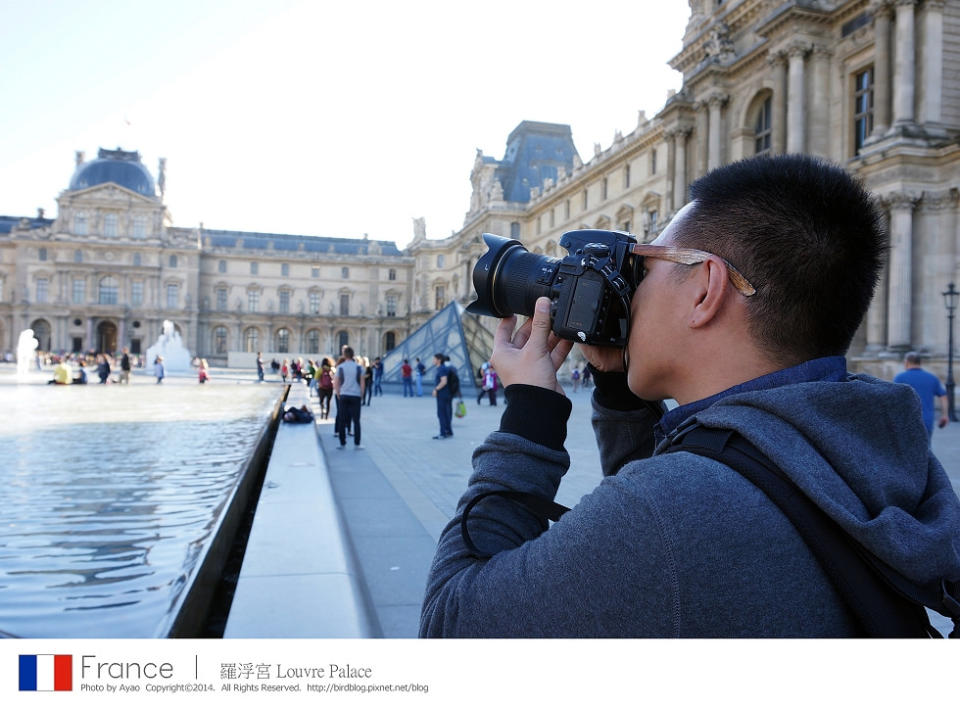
(26,349)
(176,357)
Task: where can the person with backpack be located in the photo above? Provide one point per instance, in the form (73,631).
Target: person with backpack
(742,312)
(443,392)
(325,387)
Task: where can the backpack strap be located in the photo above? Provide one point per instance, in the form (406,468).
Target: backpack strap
(882,608)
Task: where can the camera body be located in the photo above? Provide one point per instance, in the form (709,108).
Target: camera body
(589,289)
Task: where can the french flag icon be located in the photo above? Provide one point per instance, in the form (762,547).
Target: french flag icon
(46,673)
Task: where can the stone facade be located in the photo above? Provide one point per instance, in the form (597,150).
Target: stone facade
(111,268)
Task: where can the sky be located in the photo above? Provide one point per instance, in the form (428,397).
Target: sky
(334,119)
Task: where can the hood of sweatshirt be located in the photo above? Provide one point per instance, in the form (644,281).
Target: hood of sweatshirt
(859,450)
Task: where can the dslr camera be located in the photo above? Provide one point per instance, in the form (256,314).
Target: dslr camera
(589,289)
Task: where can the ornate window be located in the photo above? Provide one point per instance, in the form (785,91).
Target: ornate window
(284,269)
(173,261)
(42,253)
(439,260)
(283,340)
(136,293)
(345,272)
(862,108)
(514,230)
(110,224)
(653,161)
(137,259)
(313,342)
(440,296)
(173,295)
(78,256)
(108,290)
(42,290)
(344,303)
(314,273)
(284,301)
(80,223)
(220,340)
(79,291)
(254,268)
(253,300)
(392,274)
(390,341)
(343,338)
(139,226)
(626,177)
(314,302)
(221,266)
(251,339)
(221,298)
(391,306)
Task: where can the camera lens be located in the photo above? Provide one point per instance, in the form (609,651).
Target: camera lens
(509,279)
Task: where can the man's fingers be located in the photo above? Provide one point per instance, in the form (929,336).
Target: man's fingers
(504,333)
(522,335)
(540,323)
(560,352)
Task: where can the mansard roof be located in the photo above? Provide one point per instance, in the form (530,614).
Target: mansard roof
(291,242)
(535,152)
(7,223)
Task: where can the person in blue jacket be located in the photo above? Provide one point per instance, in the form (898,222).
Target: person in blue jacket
(928,388)
(781,257)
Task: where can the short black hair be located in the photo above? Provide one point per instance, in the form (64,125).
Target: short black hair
(806,235)
(347,351)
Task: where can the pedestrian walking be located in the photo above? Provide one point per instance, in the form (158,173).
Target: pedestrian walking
(325,387)
(125,366)
(158,369)
(928,388)
(377,377)
(367,380)
(259,366)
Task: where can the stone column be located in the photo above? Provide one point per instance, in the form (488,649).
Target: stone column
(680,166)
(668,197)
(900,293)
(716,102)
(881,68)
(877,314)
(819,113)
(778,106)
(905,66)
(931,108)
(796,139)
(700,139)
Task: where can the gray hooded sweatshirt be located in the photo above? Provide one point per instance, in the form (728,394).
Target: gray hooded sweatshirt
(679,545)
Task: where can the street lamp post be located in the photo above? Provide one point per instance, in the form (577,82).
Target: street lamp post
(950,297)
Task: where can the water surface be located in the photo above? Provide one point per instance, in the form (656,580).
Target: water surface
(110,496)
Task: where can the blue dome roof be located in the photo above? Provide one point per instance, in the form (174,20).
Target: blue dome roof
(119,166)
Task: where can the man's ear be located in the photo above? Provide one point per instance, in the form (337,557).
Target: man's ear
(712,284)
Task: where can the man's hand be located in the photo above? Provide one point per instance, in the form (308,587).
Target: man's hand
(531,355)
(943,422)
(604,359)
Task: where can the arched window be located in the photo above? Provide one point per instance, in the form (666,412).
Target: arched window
(220,340)
(107,294)
(283,340)
(251,340)
(761,127)
(389,341)
(313,342)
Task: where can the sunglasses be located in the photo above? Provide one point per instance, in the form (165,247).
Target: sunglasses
(691,257)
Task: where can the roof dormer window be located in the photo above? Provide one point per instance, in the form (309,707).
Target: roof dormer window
(80,223)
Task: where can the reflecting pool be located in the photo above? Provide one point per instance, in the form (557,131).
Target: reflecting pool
(110,496)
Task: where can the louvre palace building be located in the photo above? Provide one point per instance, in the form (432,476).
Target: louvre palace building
(869,84)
